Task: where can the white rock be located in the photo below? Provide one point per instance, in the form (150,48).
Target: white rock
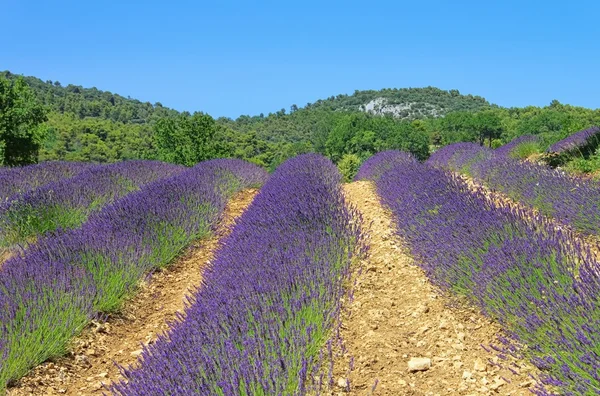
(419,364)
(342,382)
(479,365)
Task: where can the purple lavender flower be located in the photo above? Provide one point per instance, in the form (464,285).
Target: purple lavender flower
(540,282)
(50,291)
(576,141)
(269,299)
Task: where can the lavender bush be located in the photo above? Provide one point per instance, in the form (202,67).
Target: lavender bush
(269,299)
(67,203)
(540,283)
(14,181)
(460,156)
(520,148)
(570,200)
(49,293)
(376,165)
(577,141)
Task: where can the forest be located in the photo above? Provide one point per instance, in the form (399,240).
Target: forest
(74,123)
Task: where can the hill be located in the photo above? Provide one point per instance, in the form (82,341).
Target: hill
(88,124)
(92,102)
(405,103)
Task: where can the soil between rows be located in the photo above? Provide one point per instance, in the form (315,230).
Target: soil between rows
(396,314)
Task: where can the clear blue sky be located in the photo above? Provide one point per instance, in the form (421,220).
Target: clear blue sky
(231,57)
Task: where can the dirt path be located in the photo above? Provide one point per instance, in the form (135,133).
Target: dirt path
(119,340)
(396,315)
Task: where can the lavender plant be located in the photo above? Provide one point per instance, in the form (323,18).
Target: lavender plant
(15,181)
(541,283)
(269,299)
(570,200)
(67,203)
(460,156)
(519,148)
(53,289)
(376,165)
(577,142)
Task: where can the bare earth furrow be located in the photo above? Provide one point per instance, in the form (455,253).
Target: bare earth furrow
(396,314)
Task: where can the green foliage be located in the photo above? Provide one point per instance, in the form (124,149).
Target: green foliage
(410,103)
(584,165)
(186,139)
(91,102)
(525,150)
(364,135)
(92,125)
(497,143)
(21,128)
(487,125)
(348,166)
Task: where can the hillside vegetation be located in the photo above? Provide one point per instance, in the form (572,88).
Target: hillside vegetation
(87,124)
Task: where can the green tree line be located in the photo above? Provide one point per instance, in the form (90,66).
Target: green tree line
(80,124)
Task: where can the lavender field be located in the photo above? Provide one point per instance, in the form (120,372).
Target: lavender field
(265,316)
(541,284)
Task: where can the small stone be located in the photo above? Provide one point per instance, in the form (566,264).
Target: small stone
(419,364)
(443,325)
(461,336)
(136,353)
(103,375)
(421,344)
(458,347)
(526,384)
(342,383)
(498,382)
(467,375)
(479,365)
(457,365)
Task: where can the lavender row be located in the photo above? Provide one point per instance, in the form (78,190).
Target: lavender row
(375,166)
(540,283)
(459,157)
(577,142)
(67,203)
(270,298)
(553,193)
(14,181)
(49,294)
(520,147)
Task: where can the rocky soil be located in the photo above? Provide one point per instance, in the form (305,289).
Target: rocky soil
(403,336)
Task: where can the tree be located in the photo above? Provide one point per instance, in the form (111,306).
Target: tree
(186,139)
(21,123)
(348,166)
(488,126)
